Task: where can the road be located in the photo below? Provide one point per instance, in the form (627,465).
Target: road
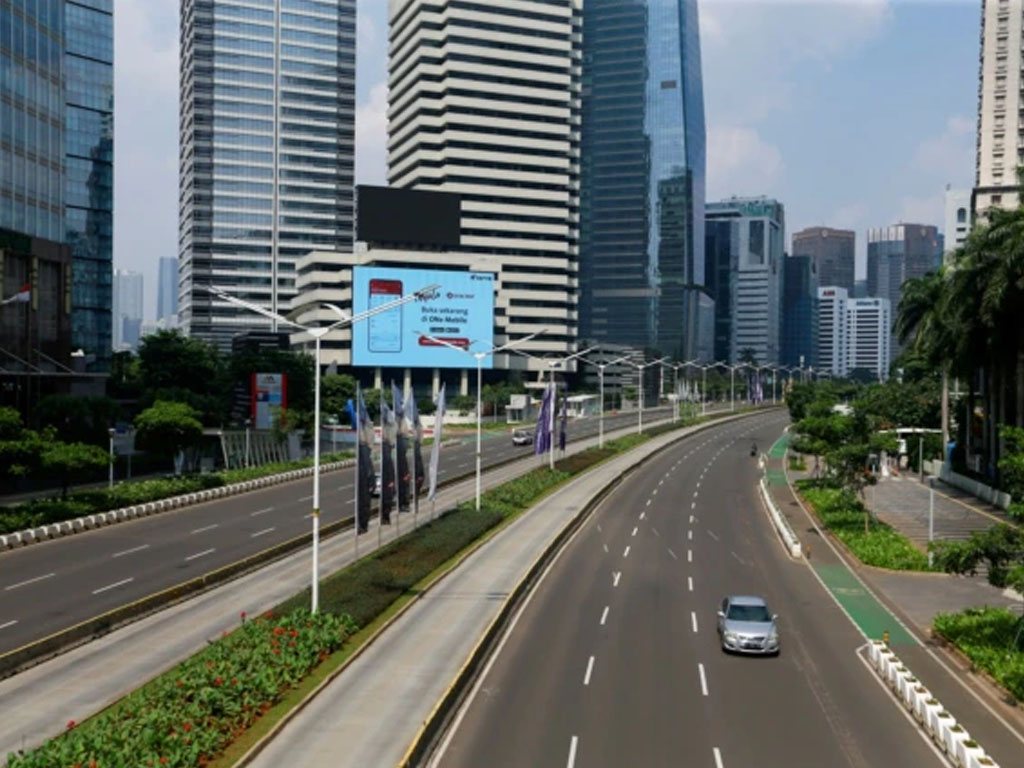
(47,587)
(615,660)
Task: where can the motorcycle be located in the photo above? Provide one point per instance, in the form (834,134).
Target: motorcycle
(753,449)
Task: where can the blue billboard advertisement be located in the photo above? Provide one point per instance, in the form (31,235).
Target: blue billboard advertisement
(460,312)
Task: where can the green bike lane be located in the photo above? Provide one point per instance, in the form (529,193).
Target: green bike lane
(997,725)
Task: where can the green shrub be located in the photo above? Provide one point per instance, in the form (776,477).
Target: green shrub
(843,515)
(991,638)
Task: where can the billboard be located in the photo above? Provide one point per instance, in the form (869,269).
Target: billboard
(269,392)
(461,311)
(408,217)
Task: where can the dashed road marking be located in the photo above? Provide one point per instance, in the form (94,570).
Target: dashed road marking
(615,578)
(604,615)
(590,669)
(205,528)
(703,680)
(263,511)
(572,753)
(693,619)
(130,551)
(29,581)
(200,554)
(635,529)
(712,534)
(626,552)
(116,584)
(689,582)
(673,555)
(261,533)
(7,624)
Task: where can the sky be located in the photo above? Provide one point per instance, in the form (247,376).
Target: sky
(852,113)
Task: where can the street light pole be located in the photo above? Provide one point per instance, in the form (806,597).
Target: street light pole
(111,432)
(931,520)
(248,423)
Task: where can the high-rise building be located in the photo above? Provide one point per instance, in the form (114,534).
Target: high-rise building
(957,221)
(799,311)
(128,303)
(832,332)
(56,179)
(897,254)
(867,345)
(167,291)
(485,103)
(642,175)
(744,261)
(833,251)
(267,130)
(1000,106)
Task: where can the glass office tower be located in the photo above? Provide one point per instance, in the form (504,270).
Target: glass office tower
(57,144)
(267,129)
(642,175)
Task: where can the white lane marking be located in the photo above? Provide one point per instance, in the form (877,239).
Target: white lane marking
(8,624)
(718,759)
(693,618)
(306,498)
(604,616)
(691,519)
(205,528)
(689,582)
(673,555)
(120,583)
(712,534)
(655,532)
(590,669)
(200,554)
(695,494)
(351,501)
(654,492)
(261,511)
(703,680)
(615,578)
(648,502)
(129,551)
(698,484)
(605,548)
(661,482)
(345,487)
(626,553)
(643,515)
(29,581)
(693,505)
(572,753)
(689,534)
(599,529)
(635,529)
(737,557)
(689,555)
(260,533)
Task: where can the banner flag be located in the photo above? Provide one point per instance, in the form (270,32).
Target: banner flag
(387,462)
(417,442)
(435,450)
(366,478)
(402,446)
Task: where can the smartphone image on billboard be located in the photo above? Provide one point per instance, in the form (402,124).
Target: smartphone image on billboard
(385,328)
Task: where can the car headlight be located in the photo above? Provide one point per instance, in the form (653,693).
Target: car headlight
(730,636)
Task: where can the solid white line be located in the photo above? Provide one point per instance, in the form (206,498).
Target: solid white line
(718,759)
(260,533)
(626,553)
(261,512)
(29,581)
(200,554)
(590,669)
(693,617)
(129,551)
(673,555)
(712,534)
(604,616)
(635,529)
(689,582)
(703,680)
(206,528)
(617,575)
(572,753)
(689,555)
(8,624)
(115,584)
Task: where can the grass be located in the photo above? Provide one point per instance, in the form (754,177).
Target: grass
(992,640)
(881,546)
(797,463)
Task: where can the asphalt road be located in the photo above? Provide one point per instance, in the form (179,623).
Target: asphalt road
(615,659)
(47,587)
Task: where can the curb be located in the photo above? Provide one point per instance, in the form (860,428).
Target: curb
(781,524)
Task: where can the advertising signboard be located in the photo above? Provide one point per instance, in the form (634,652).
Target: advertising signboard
(268,393)
(460,311)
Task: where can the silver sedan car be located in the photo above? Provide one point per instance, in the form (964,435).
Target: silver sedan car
(745,625)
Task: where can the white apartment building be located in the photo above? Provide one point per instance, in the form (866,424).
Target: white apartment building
(957,221)
(1000,120)
(485,103)
(833,354)
(867,329)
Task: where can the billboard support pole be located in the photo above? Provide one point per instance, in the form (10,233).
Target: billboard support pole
(479,416)
(316,483)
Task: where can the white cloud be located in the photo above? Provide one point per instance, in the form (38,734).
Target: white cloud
(950,155)
(740,162)
(372,137)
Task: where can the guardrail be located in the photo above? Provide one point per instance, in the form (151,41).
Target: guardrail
(781,523)
(949,736)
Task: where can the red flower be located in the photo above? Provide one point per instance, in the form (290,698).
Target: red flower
(218,681)
(278,631)
(92,764)
(295,633)
(291,643)
(277,650)
(179,683)
(71,724)
(268,615)
(163,761)
(187,727)
(243,615)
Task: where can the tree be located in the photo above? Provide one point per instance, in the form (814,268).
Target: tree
(124,382)
(169,429)
(335,392)
(78,419)
(72,461)
(20,448)
(177,368)
(1001,548)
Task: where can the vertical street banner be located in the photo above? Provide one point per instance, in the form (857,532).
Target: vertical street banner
(435,450)
(417,443)
(564,423)
(402,446)
(540,432)
(365,476)
(387,463)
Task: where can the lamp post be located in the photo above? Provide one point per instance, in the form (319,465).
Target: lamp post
(675,383)
(318,332)
(248,424)
(640,411)
(111,432)
(600,380)
(479,382)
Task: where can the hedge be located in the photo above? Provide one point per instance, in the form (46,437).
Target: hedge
(992,639)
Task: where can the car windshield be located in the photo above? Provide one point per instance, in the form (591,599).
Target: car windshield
(749,613)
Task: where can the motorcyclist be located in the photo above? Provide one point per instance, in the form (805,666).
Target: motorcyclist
(753,449)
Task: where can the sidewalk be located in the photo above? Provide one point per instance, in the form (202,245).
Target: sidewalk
(904,603)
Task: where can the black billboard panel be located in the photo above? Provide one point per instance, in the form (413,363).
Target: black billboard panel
(407,217)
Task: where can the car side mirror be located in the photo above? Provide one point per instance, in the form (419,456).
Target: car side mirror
(721,614)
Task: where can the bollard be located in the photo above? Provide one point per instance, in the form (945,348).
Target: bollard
(885,638)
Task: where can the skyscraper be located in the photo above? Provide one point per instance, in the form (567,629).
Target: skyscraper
(745,239)
(266,169)
(485,103)
(897,254)
(867,344)
(127,309)
(57,127)
(167,290)
(833,251)
(799,311)
(1000,106)
(833,338)
(642,175)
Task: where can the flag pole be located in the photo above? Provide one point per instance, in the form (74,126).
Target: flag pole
(394,460)
(358,478)
(383,490)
